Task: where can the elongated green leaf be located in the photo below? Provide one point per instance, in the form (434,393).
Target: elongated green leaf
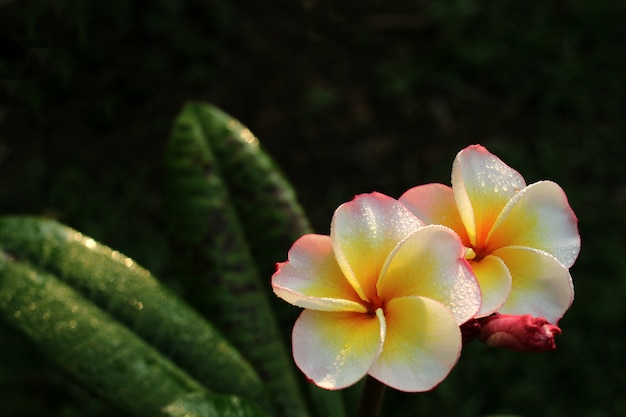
(268,211)
(134,297)
(201,404)
(93,348)
(222,278)
(265,201)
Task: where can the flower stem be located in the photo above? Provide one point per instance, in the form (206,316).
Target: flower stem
(371,398)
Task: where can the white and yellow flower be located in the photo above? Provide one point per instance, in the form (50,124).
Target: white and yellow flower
(521,239)
(383,295)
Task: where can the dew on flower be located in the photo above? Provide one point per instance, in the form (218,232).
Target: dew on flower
(514,233)
(362,289)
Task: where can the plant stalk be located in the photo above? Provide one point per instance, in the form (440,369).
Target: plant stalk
(371,400)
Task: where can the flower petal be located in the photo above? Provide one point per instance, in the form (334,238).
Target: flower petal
(539,217)
(431,263)
(364,231)
(335,350)
(312,279)
(495,283)
(422,344)
(435,204)
(542,286)
(482,186)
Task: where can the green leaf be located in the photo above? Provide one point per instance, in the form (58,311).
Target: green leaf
(266,204)
(220,275)
(132,296)
(268,211)
(91,346)
(200,404)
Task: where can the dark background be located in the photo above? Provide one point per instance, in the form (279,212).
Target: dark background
(348,97)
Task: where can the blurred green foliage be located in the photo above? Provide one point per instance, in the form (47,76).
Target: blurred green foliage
(91,347)
(347,97)
(108,284)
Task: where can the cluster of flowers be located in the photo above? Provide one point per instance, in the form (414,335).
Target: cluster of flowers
(400,285)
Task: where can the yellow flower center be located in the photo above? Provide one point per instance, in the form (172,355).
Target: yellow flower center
(375,304)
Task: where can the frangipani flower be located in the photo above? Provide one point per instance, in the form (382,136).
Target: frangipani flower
(521,239)
(383,295)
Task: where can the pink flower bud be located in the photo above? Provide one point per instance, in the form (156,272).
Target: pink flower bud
(522,333)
